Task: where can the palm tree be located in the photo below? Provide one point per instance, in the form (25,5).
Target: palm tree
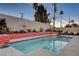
(69,22)
(54,16)
(61,13)
(72,21)
(35,6)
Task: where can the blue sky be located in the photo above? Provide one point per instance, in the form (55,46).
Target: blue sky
(70,10)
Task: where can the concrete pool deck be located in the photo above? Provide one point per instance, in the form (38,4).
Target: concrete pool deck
(40,52)
(72,49)
(10,51)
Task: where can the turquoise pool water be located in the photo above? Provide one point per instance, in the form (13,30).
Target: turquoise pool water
(45,42)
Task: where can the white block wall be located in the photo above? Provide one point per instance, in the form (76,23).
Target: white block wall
(16,24)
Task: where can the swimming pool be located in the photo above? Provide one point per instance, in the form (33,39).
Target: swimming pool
(45,42)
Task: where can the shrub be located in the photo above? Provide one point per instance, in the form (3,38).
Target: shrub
(71,34)
(34,30)
(48,30)
(29,30)
(77,33)
(22,31)
(15,32)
